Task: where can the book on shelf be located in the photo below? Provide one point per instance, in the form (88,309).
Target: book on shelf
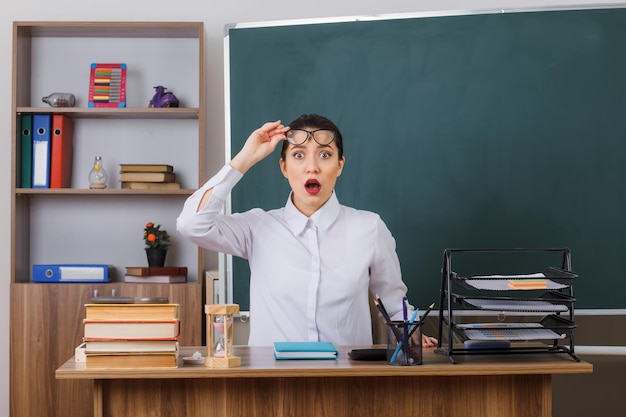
(144,271)
(131,360)
(305,350)
(147,177)
(146,168)
(139,311)
(130,346)
(131,329)
(155,279)
(139,185)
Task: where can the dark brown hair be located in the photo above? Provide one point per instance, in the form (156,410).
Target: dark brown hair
(314,121)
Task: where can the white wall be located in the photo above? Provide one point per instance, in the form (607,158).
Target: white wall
(215,16)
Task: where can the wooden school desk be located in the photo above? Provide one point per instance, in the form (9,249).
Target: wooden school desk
(479,385)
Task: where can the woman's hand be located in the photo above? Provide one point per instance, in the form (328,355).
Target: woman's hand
(428,341)
(259,145)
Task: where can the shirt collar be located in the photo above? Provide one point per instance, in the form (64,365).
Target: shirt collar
(322,218)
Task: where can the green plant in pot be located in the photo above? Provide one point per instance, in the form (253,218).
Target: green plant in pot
(157,242)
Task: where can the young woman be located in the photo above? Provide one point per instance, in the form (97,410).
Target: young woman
(312,262)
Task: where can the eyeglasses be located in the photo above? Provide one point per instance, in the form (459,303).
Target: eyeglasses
(323,137)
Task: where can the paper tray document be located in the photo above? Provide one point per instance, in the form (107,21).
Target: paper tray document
(515,305)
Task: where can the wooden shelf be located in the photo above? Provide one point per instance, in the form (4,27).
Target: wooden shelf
(66,225)
(112,29)
(121,113)
(108,191)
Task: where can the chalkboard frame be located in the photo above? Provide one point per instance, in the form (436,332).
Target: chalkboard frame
(239,123)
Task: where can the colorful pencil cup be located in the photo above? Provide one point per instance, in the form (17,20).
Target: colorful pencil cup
(402,349)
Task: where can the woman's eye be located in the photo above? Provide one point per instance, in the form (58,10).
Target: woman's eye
(325,155)
(298,155)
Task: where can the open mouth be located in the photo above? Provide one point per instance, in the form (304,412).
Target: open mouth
(312,186)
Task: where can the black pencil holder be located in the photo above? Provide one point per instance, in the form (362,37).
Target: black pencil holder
(404,343)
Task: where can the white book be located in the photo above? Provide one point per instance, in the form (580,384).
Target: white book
(156,279)
(130,346)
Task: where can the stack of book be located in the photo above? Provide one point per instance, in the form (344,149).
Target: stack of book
(156,275)
(133,335)
(148,176)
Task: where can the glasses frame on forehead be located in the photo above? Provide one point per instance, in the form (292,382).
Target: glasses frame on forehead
(310,133)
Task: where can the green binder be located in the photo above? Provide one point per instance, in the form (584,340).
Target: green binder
(26,152)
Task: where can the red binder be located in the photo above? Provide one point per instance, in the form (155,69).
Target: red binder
(61,151)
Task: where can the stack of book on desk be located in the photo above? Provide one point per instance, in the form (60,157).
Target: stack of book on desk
(156,275)
(133,335)
(148,176)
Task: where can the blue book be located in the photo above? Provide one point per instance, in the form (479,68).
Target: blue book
(305,350)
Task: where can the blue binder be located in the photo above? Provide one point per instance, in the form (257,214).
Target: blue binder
(41,151)
(70,273)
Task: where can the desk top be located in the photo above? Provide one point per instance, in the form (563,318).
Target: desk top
(259,362)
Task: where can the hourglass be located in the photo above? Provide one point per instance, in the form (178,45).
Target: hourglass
(220,335)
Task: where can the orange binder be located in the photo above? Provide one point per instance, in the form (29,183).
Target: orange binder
(61,151)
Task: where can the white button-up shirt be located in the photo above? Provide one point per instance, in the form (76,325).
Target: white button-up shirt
(309,276)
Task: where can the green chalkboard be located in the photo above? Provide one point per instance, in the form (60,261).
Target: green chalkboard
(503,130)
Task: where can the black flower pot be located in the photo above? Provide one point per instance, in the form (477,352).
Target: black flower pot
(156,257)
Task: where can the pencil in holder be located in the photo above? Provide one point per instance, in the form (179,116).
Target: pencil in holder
(404,343)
